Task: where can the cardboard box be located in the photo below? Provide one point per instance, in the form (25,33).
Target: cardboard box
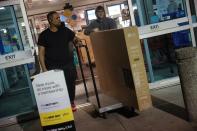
(120,66)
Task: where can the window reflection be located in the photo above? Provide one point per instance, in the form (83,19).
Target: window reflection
(154,11)
(12,30)
(162,53)
(8,37)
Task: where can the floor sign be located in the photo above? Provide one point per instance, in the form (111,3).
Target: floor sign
(53,101)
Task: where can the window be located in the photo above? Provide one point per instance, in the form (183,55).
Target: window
(91,15)
(154,11)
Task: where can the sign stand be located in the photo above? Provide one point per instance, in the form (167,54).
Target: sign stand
(53,101)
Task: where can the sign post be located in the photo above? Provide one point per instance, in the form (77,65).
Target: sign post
(53,101)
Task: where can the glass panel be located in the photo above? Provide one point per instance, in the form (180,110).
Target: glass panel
(154,11)
(162,53)
(21,27)
(15,94)
(114,10)
(195,33)
(145,61)
(1,86)
(33,32)
(91,15)
(10,38)
(120,13)
(193,5)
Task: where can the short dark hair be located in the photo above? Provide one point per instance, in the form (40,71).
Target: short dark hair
(50,16)
(99,8)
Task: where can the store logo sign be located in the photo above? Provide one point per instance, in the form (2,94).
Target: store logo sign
(154,27)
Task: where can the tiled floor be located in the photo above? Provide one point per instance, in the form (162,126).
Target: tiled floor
(159,118)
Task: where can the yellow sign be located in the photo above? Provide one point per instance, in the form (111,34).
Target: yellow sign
(56,117)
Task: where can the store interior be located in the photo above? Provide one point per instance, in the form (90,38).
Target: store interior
(77,21)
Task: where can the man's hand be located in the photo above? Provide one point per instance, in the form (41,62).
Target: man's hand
(44,70)
(95,29)
(77,41)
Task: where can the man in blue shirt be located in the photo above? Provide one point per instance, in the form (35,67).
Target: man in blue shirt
(101,23)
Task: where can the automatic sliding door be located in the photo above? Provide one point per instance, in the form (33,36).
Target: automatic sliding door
(163,27)
(16,96)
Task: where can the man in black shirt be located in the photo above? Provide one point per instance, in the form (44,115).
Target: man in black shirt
(55,51)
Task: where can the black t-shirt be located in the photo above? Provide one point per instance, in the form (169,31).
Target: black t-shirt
(57,49)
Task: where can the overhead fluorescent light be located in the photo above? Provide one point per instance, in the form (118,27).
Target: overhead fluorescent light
(2,8)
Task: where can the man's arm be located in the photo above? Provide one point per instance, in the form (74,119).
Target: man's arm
(41,50)
(90,28)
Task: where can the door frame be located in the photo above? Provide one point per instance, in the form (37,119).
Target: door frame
(24,57)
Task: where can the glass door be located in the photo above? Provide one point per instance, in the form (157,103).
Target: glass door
(164,25)
(16,94)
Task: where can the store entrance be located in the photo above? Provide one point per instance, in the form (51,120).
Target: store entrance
(16,96)
(163,27)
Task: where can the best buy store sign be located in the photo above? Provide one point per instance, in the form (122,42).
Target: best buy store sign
(53,101)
